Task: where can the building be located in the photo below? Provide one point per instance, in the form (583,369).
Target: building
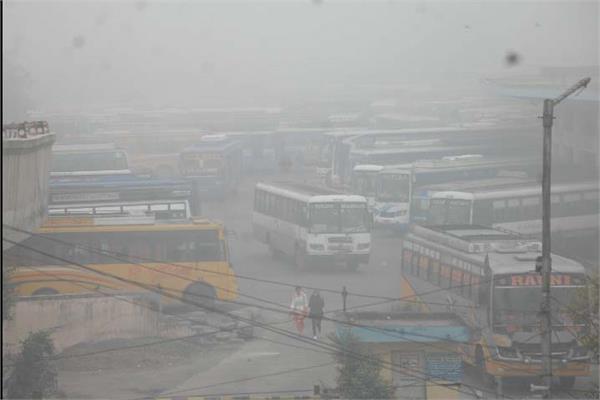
(26,155)
(420,350)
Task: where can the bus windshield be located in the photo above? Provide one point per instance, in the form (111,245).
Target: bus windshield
(338,218)
(394,188)
(204,165)
(517,307)
(449,211)
(88,161)
(364,183)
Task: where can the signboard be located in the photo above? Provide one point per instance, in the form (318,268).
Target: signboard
(518,280)
(444,366)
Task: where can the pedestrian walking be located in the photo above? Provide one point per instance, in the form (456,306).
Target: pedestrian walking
(316,305)
(299,308)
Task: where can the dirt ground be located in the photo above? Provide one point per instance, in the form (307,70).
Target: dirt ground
(133,373)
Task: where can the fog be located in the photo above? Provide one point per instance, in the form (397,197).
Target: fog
(78,55)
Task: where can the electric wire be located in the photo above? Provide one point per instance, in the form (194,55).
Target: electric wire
(235,317)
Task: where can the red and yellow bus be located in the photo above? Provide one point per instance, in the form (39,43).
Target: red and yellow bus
(488,277)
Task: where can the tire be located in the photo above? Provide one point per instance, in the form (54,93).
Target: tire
(200,294)
(45,292)
(567,382)
(487,379)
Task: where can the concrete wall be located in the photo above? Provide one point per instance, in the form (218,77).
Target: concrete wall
(25,171)
(75,319)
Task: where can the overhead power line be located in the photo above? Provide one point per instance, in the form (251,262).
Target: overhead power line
(283,332)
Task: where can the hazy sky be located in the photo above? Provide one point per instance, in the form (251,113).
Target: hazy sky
(248,53)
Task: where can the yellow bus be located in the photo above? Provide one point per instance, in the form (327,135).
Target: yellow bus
(187,258)
(488,278)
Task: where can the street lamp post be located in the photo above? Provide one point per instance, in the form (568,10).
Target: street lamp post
(545,308)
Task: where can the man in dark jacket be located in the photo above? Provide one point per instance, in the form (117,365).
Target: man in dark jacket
(316,305)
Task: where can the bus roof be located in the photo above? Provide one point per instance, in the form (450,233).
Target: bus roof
(226,144)
(412,149)
(505,252)
(122,224)
(309,193)
(367,168)
(531,189)
(466,185)
(83,148)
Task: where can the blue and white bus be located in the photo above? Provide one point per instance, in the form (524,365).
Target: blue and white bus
(394,188)
(214,166)
(364,182)
(120,189)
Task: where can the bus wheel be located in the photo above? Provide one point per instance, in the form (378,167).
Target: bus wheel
(567,382)
(45,292)
(299,259)
(353,265)
(200,294)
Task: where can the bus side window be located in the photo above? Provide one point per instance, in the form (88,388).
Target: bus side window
(456,281)
(466,284)
(474,288)
(406,260)
(498,210)
(434,272)
(445,272)
(423,266)
(414,264)
(482,212)
(484,293)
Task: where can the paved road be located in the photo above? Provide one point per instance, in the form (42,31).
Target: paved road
(279,363)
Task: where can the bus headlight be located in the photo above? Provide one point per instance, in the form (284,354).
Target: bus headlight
(363,246)
(507,353)
(316,246)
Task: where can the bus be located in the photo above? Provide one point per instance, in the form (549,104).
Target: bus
(488,278)
(131,188)
(518,207)
(393,198)
(156,244)
(421,196)
(214,166)
(87,161)
(364,178)
(394,183)
(312,224)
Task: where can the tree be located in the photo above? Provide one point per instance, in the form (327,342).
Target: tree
(584,310)
(359,371)
(33,376)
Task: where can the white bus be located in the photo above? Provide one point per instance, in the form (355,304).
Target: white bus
(393,198)
(364,182)
(517,208)
(312,224)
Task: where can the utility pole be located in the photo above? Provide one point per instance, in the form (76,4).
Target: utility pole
(545,307)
